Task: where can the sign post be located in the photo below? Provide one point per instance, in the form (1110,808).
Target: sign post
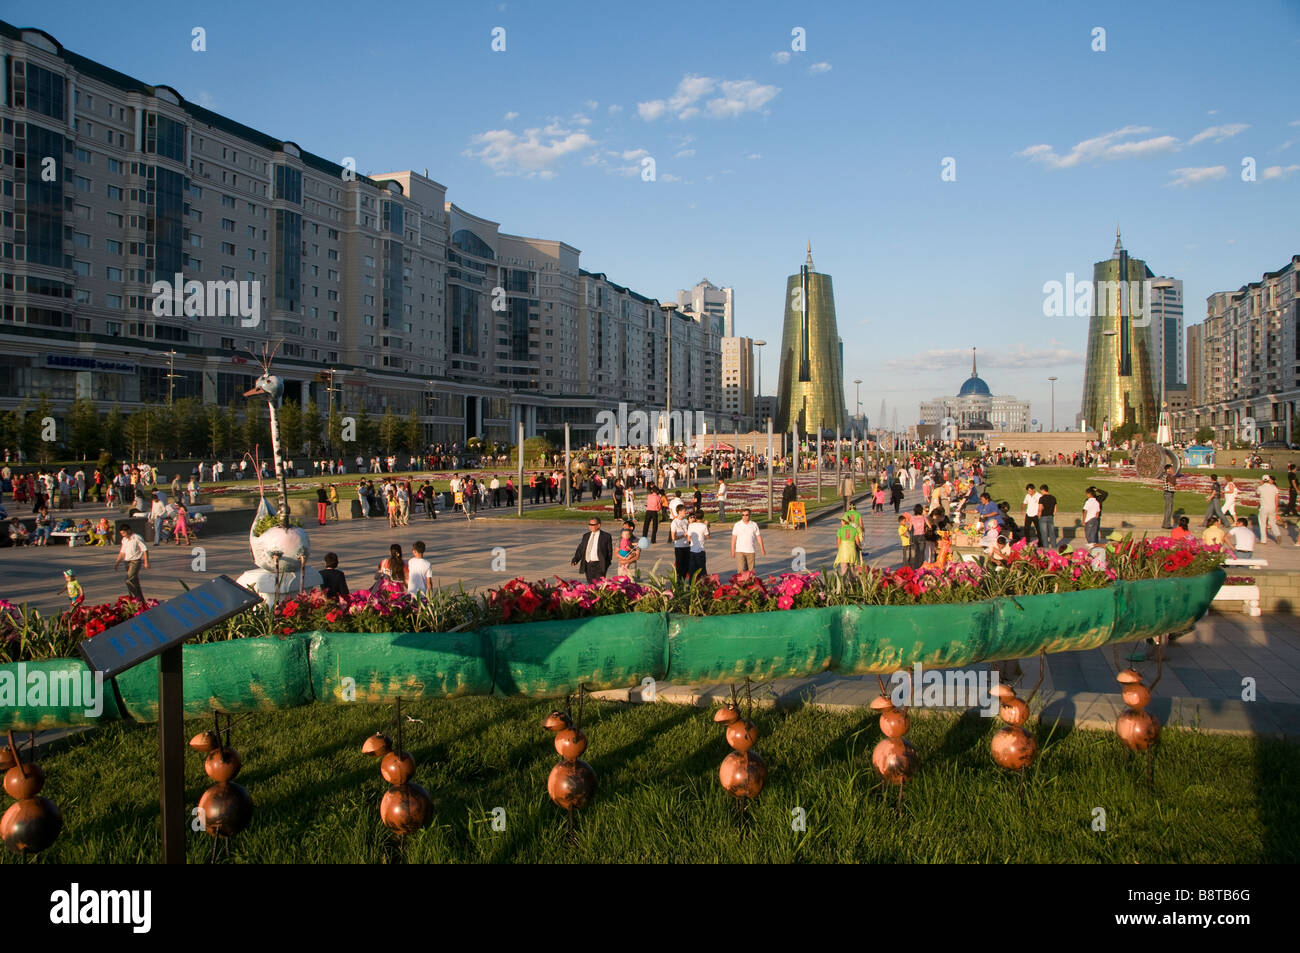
(162,631)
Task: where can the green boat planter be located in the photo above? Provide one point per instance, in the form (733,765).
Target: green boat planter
(28,691)
(762,645)
(881,639)
(385,665)
(1146,608)
(553,658)
(243,675)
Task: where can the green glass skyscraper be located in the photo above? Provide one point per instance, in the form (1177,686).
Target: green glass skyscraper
(1118,383)
(811,389)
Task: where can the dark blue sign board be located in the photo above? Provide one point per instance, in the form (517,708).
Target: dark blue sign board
(161,631)
(129,643)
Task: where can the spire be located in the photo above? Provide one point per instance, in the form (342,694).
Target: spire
(973,372)
(1119,247)
(809,262)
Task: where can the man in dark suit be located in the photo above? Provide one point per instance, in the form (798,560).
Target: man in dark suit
(595,552)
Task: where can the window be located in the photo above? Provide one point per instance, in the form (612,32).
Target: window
(113,328)
(112,246)
(82,155)
(81,268)
(113,274)
(113,301)
(80,240)
(115,193)
(113,219)
(228,201)
(83,184)
(196,240)
(82,296)
(227,248)
(227,225)
(114,166)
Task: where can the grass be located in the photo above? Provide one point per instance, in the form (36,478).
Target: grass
(1068,483)
(1216,799)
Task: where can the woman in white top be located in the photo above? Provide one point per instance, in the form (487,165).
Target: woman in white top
(722,500)
(1230,498)
(629,502)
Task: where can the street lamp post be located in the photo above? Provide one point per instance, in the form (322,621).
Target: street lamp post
(857,382)
(1053,380)
(760,345)
(171,376)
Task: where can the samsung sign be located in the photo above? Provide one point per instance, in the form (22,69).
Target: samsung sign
(69,362)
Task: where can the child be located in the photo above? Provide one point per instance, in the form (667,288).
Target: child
(878,500)
(904,537)
(76,595)
(628,553)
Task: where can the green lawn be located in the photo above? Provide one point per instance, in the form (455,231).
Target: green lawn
(1068,483)
(1216,799)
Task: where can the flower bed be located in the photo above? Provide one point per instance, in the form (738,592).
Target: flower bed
(542,638)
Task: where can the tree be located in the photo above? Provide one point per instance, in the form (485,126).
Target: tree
(218,430)
(136,432)
(312,424)
(256,431)
(112,438)
(190,418)
(290,415)
(35,430)
(1204,435)
(83,429)
(413,432)
(335,431)
(366,435)
(389,426)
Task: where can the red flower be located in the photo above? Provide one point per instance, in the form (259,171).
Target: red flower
(333,615)
(287,630)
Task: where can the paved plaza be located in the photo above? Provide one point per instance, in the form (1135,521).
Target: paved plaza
(1202,684)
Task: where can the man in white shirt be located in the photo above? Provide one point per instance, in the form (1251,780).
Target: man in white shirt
(676,507)
(1031,511)
(679,532)
(743,537)
(134,553)
(157,511)
(1268,494)
(419,572)
(722,500)
(698,531)
(1243,540)
(1091,517)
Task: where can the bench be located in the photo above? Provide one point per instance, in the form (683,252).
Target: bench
(192,510)
(1250,563)
(73,537)
(1247,594)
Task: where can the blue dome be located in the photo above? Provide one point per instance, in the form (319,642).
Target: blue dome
(974,387)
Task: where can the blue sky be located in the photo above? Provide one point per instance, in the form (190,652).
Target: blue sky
(756,151)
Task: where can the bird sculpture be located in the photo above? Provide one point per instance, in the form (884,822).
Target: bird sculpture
(280,552)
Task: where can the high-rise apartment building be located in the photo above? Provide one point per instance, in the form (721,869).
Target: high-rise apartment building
(738,382)
(1248,365)
(707,298)
(378,292)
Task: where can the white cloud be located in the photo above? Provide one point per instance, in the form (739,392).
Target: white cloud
(669,177)
(820,68)
(1108,146)
(591,105)
(737,97)
(530,154)
(781,58)
(753,155)
(615,109)
(1218,133)
(927,362)
(205,99)
(511,116)
(652,110)
(1212,112)
(1196,175)
(629,154)
(685,154)
(1294,122)
(1279,172)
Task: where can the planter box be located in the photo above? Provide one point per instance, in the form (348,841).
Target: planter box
(553,658)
